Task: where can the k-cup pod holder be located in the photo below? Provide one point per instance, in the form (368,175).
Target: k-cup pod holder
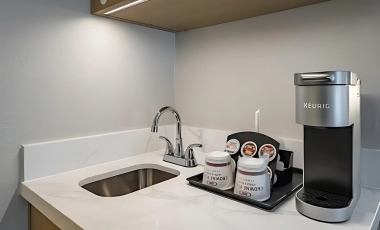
(252,144)
(285,179)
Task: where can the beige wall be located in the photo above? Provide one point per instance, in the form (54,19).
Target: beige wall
(65,73)
(226,72)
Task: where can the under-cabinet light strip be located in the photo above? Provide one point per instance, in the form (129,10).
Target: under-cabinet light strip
(126,6)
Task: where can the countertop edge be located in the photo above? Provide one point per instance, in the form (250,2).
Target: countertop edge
(55,216)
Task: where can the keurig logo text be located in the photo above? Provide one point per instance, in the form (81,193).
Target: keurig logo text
(315,106)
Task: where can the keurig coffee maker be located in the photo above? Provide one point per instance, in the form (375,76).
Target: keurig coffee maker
(328,106)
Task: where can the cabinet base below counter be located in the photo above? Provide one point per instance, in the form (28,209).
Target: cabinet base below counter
(38,221)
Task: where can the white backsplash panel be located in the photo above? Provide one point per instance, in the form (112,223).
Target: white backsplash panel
(49,158)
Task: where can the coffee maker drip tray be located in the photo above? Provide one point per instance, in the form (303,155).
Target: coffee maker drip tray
(323,199)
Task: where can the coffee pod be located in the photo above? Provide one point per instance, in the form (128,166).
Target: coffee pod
(269,149)
(232,146)
(269,172)
(275,179)
(249,149)
(280,166)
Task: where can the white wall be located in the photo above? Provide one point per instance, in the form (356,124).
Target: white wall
(65,73)
(226,72)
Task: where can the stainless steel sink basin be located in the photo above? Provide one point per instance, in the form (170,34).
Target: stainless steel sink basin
(128,182)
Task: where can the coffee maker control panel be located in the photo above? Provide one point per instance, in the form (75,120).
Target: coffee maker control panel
(324,99)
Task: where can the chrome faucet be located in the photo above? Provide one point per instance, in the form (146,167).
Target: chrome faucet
(178,150)
(176,156)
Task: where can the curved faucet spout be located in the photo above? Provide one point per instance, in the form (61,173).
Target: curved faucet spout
(178,149)
(158,116)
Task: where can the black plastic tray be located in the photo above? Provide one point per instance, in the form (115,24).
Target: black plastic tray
(278,195)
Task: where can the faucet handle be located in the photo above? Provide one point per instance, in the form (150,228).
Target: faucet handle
(189,154)
(169,146)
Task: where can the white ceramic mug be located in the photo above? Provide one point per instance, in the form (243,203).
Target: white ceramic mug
(219,170)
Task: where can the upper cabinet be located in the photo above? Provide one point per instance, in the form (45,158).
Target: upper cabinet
(181,15)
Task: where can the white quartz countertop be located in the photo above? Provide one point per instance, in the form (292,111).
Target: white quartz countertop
(172,204)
